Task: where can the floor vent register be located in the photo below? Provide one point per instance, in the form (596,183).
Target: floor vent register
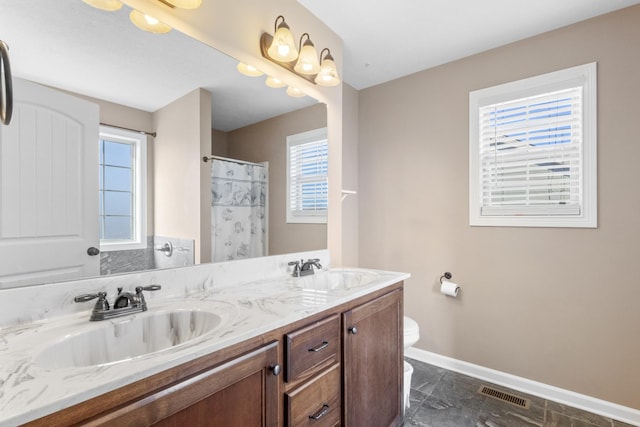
(504,397)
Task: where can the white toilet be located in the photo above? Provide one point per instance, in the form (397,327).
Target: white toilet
(411,336)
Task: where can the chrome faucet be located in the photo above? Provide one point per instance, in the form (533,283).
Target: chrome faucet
(307,267)
(125,303)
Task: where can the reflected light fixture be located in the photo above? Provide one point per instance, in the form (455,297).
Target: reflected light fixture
(143,21)
(148,23)
(328,75)
(295,92)
(307,66)
(249,70)
(108,5)
(308,58)
(274,82)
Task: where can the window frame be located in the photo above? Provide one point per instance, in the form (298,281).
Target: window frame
(317,217)
(139,208)
(584,76)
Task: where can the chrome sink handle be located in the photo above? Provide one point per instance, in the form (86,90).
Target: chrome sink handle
(101,304)
(139,289)
(140,296)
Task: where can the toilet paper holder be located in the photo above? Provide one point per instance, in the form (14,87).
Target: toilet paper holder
(446,275)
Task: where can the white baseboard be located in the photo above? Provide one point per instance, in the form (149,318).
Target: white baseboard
(566,397)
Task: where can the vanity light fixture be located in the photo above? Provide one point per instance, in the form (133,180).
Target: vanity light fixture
(249,70)
(148,23)
(274,82)
(308,58)
(108,5)
(282,47)
(328,75)
(280,50)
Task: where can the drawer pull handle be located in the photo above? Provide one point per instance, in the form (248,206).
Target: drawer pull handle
(324,345)
(321,413)
(353,330)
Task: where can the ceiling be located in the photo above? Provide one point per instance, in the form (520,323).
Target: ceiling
(73,46)
(387,39)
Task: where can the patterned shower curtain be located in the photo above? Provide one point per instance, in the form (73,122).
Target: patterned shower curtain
(238,210)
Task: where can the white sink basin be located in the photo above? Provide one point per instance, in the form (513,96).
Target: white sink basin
(338,279)
(351,278)
(120,339)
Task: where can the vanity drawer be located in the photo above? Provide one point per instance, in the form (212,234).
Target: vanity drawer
(317,402)
(312,346)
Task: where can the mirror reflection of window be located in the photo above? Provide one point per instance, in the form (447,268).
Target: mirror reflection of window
(307,177)
(121,192)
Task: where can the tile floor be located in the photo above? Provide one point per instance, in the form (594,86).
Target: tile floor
(442,398)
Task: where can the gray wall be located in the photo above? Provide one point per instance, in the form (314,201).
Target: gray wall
(559,306)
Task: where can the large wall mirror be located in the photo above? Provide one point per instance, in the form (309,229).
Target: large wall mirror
(156,83)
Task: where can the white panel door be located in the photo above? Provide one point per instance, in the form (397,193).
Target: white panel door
(48,187)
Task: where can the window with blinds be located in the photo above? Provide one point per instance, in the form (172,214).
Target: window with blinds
(533,151)
(307,177)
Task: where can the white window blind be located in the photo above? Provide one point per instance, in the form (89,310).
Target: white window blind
(308,186)
(530,155)
(532,151)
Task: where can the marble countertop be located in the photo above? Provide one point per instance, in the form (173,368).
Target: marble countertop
(29,390)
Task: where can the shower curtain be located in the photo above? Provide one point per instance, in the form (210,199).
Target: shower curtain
(238,210)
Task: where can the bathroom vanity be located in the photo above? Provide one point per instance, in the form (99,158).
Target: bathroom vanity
(321,350)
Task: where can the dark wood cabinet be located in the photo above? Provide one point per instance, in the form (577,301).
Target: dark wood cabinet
(372,362)
(342,366)
(242,392)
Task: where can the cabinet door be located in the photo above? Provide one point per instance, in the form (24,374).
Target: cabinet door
(372,362)
(242,392)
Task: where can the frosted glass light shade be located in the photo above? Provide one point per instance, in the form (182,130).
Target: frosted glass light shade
(109,5)
(283,48)
(148,23)
(308,60)
(185,4)
(328,75)
(295,92)
(249,70)
(274,82)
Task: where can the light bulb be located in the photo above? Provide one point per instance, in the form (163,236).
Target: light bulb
(150,20)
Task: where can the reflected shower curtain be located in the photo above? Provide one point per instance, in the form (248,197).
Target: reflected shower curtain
(238,210)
